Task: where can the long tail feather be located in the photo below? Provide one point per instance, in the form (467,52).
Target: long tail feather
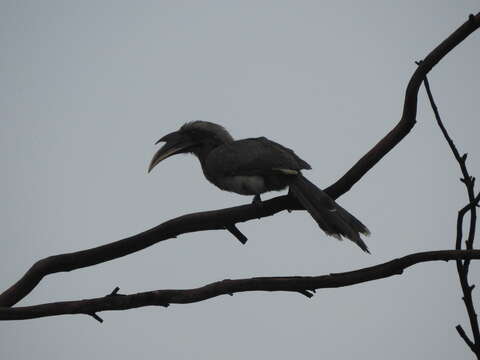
(331,217)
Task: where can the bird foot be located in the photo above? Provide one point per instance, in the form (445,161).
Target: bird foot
(257,200)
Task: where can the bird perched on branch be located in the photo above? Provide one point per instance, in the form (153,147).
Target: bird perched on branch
(257,165)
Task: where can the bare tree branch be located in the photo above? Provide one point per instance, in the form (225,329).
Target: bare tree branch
(462,267)
(407,120)
(220,219)
(465,337)
(304,285)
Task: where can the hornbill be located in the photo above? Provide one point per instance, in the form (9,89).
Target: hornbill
(257,165)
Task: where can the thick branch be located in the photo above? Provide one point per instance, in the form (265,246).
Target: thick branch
(222,218)
(208,220)
(407,120)
(301,284)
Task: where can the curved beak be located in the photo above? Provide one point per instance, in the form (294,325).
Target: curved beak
(175,143)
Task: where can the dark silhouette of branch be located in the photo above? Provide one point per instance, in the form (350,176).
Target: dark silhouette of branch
(220,219)
(305,285)
(462,266)
(237,233)
(407,120)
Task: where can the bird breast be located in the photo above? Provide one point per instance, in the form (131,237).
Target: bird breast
(242,184)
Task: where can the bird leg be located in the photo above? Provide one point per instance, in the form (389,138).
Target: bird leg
(257,200)
(291,195)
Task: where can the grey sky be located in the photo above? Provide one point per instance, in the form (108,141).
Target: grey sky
(87,87)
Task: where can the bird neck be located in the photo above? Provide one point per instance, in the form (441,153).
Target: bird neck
(202,153)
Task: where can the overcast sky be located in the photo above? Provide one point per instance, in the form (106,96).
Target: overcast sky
(87,87)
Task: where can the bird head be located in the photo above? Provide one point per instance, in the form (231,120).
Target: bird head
(197,137)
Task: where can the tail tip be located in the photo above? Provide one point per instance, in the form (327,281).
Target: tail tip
(362,245)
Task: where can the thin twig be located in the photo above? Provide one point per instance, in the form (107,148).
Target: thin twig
(465,338)
(96,317)
(462,267)
(232,229)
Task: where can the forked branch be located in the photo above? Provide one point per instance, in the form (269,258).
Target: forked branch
(463,266)
(225,218)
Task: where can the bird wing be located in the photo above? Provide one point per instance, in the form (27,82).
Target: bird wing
(256,156)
